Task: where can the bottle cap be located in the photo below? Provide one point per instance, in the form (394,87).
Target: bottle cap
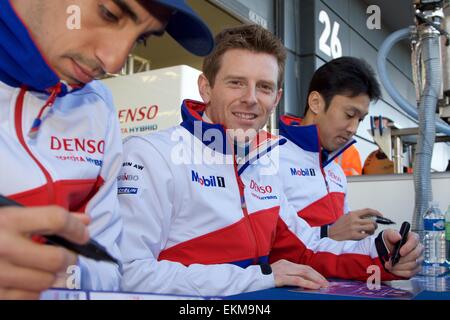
(434,204)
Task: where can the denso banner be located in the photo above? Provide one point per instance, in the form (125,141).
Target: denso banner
(151,101)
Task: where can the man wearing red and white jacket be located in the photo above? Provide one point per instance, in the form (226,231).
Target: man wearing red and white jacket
(338,100)
(60,142)
(204,210)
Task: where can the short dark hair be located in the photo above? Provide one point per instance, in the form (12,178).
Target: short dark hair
(346,76)
(250,37)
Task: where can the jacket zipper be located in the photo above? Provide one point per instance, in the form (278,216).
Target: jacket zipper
(245,211)
(322,170)
(18,124)
(241,187)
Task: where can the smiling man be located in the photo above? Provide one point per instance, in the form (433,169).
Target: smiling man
(60,139)
(338,100)
(209,228)
(223,86)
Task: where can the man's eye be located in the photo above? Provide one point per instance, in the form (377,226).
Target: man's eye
(108,15)
(267,88)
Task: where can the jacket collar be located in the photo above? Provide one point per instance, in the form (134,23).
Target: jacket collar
(192,115)
(307,138)
(21,62)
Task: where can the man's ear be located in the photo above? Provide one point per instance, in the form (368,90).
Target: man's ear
(316,102)
(204,88)
(277,100)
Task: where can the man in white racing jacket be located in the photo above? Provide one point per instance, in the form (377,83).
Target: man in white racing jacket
(203,208)
(59,136)
(338,100)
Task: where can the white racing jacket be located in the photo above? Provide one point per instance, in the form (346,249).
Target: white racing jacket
(73,162)
(315,187)
(195,225)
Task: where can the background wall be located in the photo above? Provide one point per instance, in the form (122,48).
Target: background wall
(316,31)
(393,195)
(302,25)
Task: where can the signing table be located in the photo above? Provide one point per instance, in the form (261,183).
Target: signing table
(418,288)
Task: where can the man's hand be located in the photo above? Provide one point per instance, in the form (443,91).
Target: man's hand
(287,273)
(354,225)
(62,277)
(411,254)
(28,268)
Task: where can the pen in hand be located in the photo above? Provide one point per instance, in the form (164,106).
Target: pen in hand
(92,249)
(381,220)
(404,231)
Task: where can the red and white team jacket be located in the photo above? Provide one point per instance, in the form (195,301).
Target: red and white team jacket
(73,162)
(193,225)
(315,187)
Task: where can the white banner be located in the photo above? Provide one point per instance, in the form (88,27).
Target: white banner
(151,101)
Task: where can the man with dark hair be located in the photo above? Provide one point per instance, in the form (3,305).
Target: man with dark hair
(60,142)
(338,100)
(204,219)
(347,76)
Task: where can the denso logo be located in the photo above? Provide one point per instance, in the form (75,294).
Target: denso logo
(127,177)
(260,189)
(77,144)
(138,114)
(334,177)
(303,172)
(212,181)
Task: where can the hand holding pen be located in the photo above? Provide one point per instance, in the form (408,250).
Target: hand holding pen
(91,249)
(406,251)
(26,267)
(355,225)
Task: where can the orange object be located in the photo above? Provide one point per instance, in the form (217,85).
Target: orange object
(350,161)
(378,163)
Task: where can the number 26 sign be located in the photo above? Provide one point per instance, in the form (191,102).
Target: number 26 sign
(329,42)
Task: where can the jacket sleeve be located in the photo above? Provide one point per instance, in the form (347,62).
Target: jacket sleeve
(296,241)
(106,223)
(148,201)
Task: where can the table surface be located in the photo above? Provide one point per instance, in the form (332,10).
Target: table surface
(418,288)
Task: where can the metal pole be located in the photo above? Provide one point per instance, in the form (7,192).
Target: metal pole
(398,163)
(130,65)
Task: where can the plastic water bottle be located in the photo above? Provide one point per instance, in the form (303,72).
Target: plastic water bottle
(447,234)
(434,240)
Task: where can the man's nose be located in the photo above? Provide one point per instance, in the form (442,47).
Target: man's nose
(113,52)
(249,95)
(353,126)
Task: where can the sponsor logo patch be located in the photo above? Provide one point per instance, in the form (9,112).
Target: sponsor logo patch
(133,165)
(89,146)
(95,162)
(303,172)
(126,190)
(335,178)
(260,189)
(128,177)
(209,182)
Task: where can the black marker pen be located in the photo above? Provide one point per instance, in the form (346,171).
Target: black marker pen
(382,220)
(404,231)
